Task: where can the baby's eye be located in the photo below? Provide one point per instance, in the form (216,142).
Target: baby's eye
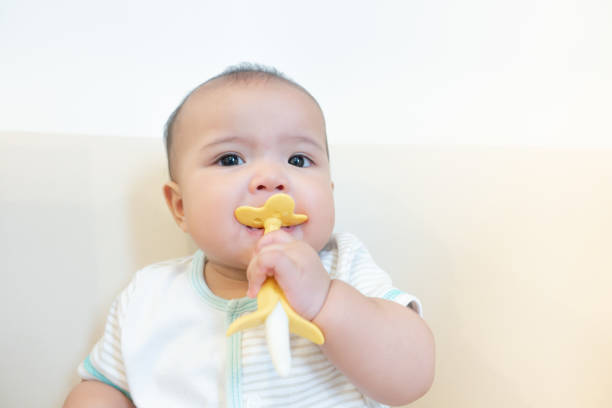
(230,159)
(299,160)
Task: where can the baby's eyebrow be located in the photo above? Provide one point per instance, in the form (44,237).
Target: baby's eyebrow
(224,140)
(307,140)
(290,139)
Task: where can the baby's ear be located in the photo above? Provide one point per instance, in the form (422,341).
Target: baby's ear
(174,199)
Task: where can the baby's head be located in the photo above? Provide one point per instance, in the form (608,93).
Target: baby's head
(243,73)
(236,140)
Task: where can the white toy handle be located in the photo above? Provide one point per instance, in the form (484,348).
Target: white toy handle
(277,336)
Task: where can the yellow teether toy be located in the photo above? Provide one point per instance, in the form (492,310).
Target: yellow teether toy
(272,305)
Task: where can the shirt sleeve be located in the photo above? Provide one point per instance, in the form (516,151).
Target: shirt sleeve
(105,361)
(357,267)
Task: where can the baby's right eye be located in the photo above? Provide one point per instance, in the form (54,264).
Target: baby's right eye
(230,159)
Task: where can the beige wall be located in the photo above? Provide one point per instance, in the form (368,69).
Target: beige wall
(509,249)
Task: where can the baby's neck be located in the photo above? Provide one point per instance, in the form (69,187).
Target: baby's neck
(224,281)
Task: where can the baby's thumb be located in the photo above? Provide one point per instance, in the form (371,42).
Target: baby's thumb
(256,275)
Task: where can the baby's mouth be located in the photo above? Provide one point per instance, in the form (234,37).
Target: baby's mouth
(287,228)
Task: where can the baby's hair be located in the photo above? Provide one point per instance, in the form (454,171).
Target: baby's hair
(243,72)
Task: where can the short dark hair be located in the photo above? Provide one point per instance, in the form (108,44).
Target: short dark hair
(244,72)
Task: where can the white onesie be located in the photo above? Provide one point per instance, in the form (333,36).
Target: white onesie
(165,346)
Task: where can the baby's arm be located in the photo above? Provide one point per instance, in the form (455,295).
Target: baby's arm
(385,349)
(94,394)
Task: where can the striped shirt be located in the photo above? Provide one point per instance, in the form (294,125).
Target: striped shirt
(164,343)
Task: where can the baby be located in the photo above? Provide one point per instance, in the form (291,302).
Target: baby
(236,140)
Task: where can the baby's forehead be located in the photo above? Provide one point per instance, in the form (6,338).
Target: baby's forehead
(240,85)
(226,96)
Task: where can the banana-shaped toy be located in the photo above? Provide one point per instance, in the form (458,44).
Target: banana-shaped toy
(272,306)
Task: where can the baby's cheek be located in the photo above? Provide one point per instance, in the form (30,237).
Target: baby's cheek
(325,228)
(319,235)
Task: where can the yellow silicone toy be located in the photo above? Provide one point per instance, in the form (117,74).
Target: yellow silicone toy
(276,212)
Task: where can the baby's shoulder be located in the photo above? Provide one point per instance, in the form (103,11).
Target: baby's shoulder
(169,265)
(340,254)
(162,274)
(341,240)
(343,243)
(155,284)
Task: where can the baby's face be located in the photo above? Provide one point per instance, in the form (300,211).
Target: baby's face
(238,144)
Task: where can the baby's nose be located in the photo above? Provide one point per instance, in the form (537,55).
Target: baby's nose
(270,178)
(279,187)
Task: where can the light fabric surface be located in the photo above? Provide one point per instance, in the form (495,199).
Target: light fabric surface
(164,343)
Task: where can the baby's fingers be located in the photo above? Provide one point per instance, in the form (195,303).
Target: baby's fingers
(274,237)
(266,264)
(257,273)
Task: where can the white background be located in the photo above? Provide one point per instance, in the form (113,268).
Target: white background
(526,73)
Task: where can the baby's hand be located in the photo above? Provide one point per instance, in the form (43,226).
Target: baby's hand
(297,269)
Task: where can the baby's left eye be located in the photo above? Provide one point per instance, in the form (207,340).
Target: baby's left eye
(299,160)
